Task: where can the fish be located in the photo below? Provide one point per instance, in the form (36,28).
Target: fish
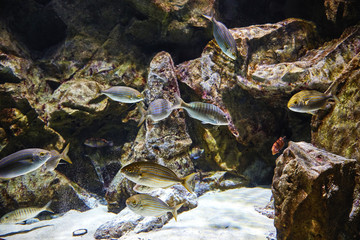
(196,152)
(309,101)
(22,214)
(278,145)
(98,143)
(158,109)
(123,94)
(54,161)
(146,205)
(23,162)
(223,38)
(155,175)
(205,112)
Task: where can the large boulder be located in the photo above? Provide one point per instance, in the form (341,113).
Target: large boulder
(313,192)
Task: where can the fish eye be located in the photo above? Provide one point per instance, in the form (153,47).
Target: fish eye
(42,154)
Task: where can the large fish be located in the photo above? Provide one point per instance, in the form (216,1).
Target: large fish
(123,94)
(22,214)
(155,175)
(146,205)
(158,109)
(223,38)
(52,163)
(205,112)
(309,101)
(23,161)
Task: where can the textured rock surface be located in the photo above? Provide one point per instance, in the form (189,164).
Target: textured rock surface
(23,192)
(313,192)
(166,142)
(128,221)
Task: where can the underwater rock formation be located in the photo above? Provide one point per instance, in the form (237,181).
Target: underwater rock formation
(165,142)
(313,192)
(127,221)
(23,191)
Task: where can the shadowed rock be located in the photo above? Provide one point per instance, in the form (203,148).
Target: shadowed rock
(313,192)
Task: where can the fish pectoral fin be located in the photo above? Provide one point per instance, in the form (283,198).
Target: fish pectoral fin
(312,112)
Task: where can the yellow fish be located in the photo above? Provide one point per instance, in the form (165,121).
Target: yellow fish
(155,175)
(52,163)
(146,205)
(309,101)
(22,214)
(123,94)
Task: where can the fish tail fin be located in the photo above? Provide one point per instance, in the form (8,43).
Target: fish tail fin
(142,112)
(64,153)
(208,17)
(47,207)
(187,182)
(178,101)
(335,98)
(176,208)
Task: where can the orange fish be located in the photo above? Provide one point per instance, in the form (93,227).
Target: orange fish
(278,145)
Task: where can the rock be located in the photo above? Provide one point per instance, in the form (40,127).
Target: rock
(166,142)
(338,130)
(313,192)
(37,188)
(128,221)
(255,89)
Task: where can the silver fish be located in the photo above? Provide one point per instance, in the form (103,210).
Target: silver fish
(159,109)
(23,161)
(155,175)
(52,163)
(143,189)
(124,94)
(309,101)
(23,214)
(205,112)
(223,38)
(146,205)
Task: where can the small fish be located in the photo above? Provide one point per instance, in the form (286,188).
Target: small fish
(278,145)
(23,162)
(205,112)
(146,205)
(155,175)
(159,109)
(309,101)
(123,94)
(52,163)
(196,152)
(223,38)
(23,214)
(98,143)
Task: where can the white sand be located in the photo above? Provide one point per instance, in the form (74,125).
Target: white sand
(219,215)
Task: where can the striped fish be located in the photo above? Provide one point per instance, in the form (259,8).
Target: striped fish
(23,214)
(23,161)
(223,38)
(309,101)
(155,175)
(123,94)
(146,205)
(52,163)
(278,145)
(159,109)
(205,112)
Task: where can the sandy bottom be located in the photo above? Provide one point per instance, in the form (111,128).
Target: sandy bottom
(219,215)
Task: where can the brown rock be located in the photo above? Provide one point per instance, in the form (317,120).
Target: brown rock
(165,142)
(313,192)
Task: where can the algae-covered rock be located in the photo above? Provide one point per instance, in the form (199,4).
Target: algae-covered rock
(313,192)
(165,142)
(25,191)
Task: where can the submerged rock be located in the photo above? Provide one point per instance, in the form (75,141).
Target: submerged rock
(165,142)
(38,188)
(313,192)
